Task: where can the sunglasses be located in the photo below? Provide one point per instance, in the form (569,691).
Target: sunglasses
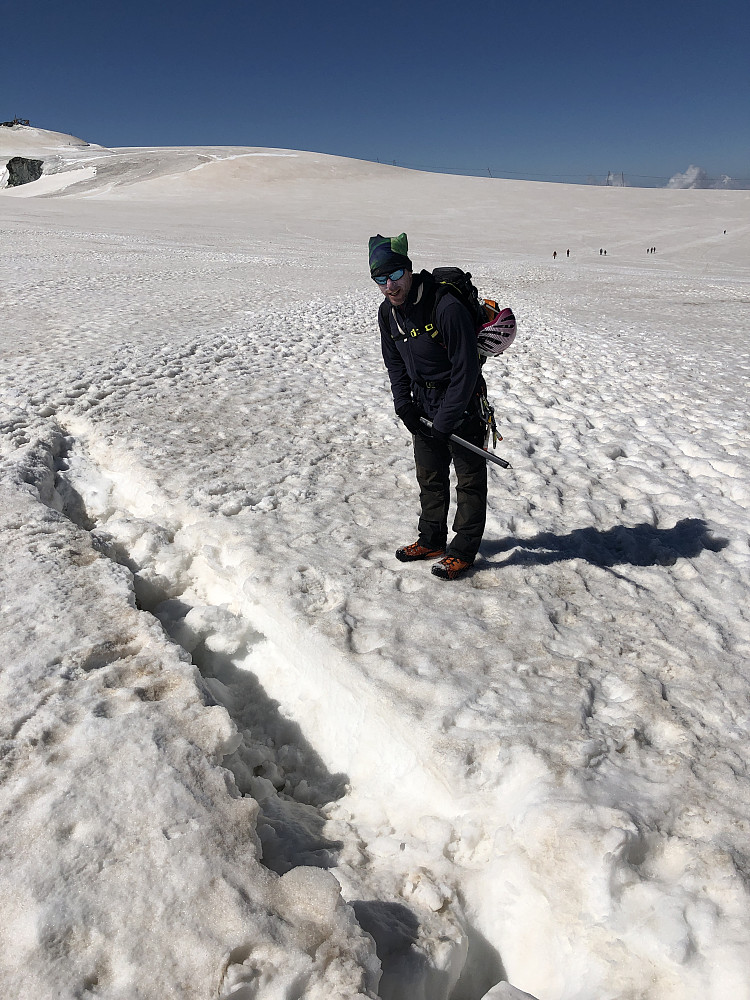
(382,279)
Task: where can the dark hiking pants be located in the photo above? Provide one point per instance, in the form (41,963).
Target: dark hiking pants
(433,462)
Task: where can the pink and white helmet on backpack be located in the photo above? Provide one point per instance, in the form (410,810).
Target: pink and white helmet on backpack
(499,332)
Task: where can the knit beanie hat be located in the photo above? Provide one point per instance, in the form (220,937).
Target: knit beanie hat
(388,253)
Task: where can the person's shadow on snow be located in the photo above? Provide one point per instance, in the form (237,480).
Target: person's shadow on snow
(641,545)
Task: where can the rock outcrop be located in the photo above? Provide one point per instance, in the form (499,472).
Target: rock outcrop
(22,170)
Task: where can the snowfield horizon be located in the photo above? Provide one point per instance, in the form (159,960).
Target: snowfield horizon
(247,753)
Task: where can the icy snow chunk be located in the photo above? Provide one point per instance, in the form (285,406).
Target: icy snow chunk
(309,895)
(504,991)
(214,628)
(423,891)
(336,959)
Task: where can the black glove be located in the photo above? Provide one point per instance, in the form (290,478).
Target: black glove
(442,437)
(410,416)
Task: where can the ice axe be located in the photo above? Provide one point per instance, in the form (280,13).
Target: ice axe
(472,447)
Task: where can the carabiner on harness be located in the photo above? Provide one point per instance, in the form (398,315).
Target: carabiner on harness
(487,416)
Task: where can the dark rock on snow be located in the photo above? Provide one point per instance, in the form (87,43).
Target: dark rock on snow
(22,170)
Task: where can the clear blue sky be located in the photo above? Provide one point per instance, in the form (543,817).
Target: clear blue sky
(534,89)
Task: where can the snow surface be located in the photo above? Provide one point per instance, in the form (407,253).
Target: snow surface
(245,751)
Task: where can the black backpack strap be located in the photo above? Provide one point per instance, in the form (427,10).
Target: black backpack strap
(442,289)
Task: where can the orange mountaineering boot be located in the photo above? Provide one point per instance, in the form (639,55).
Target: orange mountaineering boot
(451,567)
(408,553)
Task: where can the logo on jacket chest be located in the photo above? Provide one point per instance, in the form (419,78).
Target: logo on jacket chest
(428,328)
(409,330)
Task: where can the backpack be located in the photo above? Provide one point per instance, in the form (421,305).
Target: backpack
(496,327)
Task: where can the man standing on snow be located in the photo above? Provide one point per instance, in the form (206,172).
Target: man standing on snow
(429,347)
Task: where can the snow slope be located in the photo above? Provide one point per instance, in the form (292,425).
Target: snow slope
(227,709)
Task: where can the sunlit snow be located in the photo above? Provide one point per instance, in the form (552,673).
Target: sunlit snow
(245,751)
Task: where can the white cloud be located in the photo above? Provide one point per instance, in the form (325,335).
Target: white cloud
(696,177)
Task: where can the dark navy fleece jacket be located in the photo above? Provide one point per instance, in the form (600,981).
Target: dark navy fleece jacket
(413,361)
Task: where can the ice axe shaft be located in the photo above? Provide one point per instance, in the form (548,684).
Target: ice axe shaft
(472,447)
